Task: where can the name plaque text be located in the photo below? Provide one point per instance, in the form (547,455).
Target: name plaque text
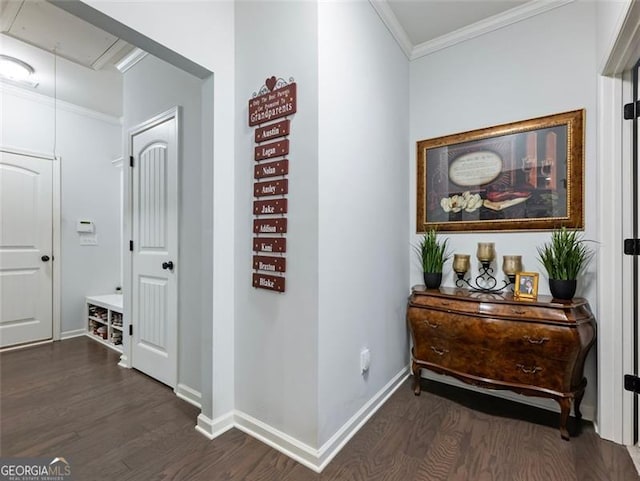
(275,149)
(272,187)
(270,226)
(267,207)
(273,131)
(270,244)
(270,264)
(264,281)
(271,169)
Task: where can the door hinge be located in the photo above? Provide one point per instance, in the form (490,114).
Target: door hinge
(131,245)
(632,247)
(632,110)
(131,329)
(131,161)
(632,383)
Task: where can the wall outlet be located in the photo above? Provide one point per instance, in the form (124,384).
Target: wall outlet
(365,360)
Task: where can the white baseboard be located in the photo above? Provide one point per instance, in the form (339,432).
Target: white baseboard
(333,446)
(188,394)
(317,459)
(287,445)
(588,411)
(124,361)
(212,428)
(73,333)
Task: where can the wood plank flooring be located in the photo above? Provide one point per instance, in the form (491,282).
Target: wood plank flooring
(70,399)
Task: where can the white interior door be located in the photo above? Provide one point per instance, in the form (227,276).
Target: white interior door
(26,228)
(154,296)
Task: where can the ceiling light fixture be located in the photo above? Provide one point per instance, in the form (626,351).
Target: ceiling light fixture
(15,70)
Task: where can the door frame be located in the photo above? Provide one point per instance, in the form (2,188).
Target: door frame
(176,113)
(55,233)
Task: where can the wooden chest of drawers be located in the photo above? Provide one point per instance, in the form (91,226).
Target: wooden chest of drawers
(492,340)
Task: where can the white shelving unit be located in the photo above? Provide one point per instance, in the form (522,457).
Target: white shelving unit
(103,315)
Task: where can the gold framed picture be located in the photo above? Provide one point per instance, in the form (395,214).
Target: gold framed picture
(526,286)
(526,175)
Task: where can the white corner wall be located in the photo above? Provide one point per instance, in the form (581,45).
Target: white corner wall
(277,334)
(152,87)
(87,142)
(543,65)
(364,210)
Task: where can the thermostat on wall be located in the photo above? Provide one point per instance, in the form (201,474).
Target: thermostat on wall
(85,226)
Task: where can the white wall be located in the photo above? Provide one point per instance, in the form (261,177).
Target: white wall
(364,209)
(86,142)
(149,88)
(540,66)
(277,334)
(214,50)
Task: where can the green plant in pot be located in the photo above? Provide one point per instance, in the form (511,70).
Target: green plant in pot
(433,254)
(565,257)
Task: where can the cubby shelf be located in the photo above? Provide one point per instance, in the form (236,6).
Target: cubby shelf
(104,317)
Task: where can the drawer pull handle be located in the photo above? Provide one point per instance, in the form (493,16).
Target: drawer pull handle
(528,370)
(533,340)
(433,325)
(439,352)
(519,311)
(445,303)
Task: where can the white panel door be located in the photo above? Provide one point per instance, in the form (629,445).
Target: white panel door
(154,297)
(26,226)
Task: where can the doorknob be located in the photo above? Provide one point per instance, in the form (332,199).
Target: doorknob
(168,265)
(45,258)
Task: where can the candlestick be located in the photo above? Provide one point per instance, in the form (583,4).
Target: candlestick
(461,263)
(486,252)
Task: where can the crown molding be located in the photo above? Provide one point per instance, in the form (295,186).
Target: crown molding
(130,60)
(59,104)
(390,20)
(491,24)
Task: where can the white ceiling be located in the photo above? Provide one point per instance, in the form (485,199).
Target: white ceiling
(425,20)
(32,29)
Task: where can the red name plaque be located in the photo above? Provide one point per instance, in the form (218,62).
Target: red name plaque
(266,207)
(269,264)
(272,187)
(275,149)
(270,244)
(273,131)
(273,105)
(270,226)
(271,169)
(264,281)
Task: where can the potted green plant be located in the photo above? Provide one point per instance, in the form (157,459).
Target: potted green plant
(564,258)
(433,254)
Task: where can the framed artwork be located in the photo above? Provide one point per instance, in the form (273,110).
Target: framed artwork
(526,175)
(526,286)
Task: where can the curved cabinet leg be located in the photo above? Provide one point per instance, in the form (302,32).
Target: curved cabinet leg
(415,369)
(576,404)
(565,408)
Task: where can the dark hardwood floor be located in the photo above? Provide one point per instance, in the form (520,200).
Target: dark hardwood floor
(70,399)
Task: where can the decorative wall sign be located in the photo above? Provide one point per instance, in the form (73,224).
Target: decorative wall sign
(273,131)
(273,105)
(268,207)
(264,281)
(269,264)
(271,169)
(270,244)
(277,225)
(275,149)
(271,187)
(275,99)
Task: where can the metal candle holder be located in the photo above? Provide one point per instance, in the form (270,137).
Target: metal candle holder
(485,281)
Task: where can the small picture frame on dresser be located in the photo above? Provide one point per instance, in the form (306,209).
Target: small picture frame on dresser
(526,286)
